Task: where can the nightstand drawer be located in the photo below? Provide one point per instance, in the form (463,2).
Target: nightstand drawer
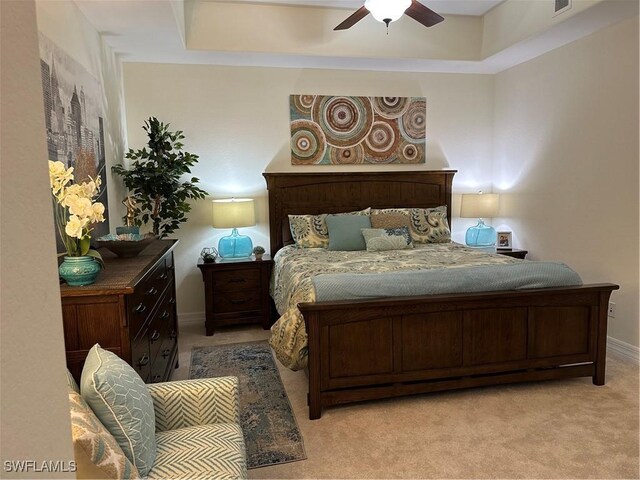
(237,279)
(228,302)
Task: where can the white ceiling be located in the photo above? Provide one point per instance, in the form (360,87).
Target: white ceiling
(148,31)
(444,7)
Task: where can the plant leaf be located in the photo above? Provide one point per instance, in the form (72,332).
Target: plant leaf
(95,254)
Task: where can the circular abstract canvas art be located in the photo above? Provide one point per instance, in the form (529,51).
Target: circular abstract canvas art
(335,130)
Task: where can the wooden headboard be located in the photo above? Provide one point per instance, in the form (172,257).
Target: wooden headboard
(315,193)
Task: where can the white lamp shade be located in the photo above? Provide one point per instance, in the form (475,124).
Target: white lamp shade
(387,9)
(479,205)
(233,213)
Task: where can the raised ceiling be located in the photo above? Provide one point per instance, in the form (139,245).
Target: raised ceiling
(444,7)
(299,33)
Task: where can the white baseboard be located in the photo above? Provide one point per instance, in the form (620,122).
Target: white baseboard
(623,350)
(194,318)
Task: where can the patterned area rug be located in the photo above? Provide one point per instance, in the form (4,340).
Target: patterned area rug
(270,430)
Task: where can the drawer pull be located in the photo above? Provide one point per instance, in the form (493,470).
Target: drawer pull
(140,308)
(172,300)
(152,291)
(157,378)
(166,352)
(237,302)
(162,277)
(237,280)
(173,334)
(155,336)
(164,315)
(144,359)
(171,268)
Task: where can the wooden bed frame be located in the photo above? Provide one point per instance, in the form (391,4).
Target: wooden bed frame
(369,349)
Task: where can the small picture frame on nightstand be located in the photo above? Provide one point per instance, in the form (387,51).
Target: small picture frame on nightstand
(504,241)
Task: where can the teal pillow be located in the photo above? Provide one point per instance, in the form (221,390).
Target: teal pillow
(121,400)
(345,231)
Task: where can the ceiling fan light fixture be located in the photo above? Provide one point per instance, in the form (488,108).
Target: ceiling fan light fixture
(386,11)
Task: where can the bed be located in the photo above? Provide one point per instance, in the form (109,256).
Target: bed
(387,347)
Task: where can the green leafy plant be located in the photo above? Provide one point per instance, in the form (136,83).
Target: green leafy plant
(154,179)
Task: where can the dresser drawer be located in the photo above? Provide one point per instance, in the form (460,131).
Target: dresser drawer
(228,302)
(236,279)
(143,301)
(140,357)
(161,361)
(162,321)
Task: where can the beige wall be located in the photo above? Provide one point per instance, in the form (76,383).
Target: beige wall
(566,156)
(35,413)
(237,120)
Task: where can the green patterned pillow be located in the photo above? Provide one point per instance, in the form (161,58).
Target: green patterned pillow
(310,231)
(97,453)
(430,225)
(122,402)
(384,239)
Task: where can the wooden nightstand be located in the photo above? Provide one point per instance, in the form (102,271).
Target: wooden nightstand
(237,292)
(521,254)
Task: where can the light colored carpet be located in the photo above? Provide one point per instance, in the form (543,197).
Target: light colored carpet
(556,429)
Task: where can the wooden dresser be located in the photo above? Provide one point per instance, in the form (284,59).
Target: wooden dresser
(130,310)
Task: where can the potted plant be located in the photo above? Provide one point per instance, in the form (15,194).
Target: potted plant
(154,179)
(75,213)
(258,251)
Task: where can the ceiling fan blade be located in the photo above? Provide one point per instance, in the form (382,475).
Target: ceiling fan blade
(353,19)
(422,14)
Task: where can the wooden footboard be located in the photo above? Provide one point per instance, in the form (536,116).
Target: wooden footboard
(372,349)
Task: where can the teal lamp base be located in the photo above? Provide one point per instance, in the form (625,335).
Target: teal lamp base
(235,245)
(481,235)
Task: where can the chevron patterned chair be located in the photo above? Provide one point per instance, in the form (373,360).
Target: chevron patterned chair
(198,432)
(126,429)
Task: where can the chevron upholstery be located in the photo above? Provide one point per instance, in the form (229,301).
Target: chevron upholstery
(195,402)
(201,452)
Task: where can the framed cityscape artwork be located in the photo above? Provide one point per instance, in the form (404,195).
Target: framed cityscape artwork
(74,120)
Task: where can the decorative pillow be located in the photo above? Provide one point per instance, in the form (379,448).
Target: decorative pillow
(310,231)
(430,225)
(426,225)
(97,453)
(71,382)
(345,231)
(120,399)
(390,218)
(383,239)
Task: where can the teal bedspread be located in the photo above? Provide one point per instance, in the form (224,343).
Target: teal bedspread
(486,278)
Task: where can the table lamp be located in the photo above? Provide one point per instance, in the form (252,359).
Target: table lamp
(234,213)
(480,205)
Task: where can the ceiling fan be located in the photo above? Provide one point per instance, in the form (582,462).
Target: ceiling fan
(388,11)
